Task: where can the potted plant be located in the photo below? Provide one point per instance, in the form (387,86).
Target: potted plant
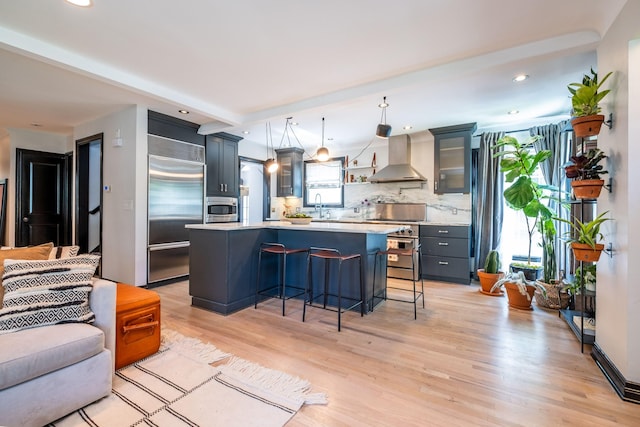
(519,164)
(585,171)
(555,297)
(586,237)
(585,97)
(520,291)
(490,274)
(586,280)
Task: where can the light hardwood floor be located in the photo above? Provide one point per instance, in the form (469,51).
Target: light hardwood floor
(467,360)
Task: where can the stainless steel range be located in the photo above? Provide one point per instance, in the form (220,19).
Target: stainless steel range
(409,215)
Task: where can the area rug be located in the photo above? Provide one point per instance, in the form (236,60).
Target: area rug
(178,387)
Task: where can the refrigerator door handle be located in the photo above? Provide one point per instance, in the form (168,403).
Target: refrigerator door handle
(163,246)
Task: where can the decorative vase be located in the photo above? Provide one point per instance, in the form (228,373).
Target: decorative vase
(555,299)
(587,188)
(587,125)
(487,280)
(516,299)
(584,252)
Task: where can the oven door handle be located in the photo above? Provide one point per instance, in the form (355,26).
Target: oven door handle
(400,240)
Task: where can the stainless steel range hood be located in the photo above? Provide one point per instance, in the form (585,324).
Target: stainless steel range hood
(399,168)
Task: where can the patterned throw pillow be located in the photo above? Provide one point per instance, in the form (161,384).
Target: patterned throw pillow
(33,252)
(39,293)
(63,252)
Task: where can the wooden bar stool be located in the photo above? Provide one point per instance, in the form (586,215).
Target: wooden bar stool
(327,255)
(280,289)
(414,253)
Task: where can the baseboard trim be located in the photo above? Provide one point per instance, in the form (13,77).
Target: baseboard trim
(627,390)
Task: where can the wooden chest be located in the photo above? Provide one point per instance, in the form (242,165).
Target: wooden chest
(137,324)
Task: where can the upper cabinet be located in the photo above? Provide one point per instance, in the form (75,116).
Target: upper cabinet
(289,172)
(452,158)
(223,165)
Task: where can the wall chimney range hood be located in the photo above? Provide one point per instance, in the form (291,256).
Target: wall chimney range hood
(399,168)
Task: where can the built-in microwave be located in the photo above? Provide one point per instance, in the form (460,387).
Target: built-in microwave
(221,209)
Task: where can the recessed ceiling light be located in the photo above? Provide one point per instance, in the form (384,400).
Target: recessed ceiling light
(512,112)
(82,3)
(407,127)
(183,112)
(246,132)
(520,78)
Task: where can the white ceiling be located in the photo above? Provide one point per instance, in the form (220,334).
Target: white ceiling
(237,64)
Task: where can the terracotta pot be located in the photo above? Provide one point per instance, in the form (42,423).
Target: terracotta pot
(587,125)
(584,252)
(555,299)
(587,188)
(516,299)
(487,280)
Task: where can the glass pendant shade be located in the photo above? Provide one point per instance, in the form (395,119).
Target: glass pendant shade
(323,154)
(271,165)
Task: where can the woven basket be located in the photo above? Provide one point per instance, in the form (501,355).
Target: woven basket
(555,299)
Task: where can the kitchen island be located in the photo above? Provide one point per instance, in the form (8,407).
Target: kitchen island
(223,258)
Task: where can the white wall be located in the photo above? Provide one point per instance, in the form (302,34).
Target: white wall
(618,293)
(30,140)
(252,150)
(124,210)
(5,164)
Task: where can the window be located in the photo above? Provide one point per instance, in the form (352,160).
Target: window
(323,182)
(515,237)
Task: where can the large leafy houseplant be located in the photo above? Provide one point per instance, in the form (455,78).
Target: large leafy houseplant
(585,103)
(519,162)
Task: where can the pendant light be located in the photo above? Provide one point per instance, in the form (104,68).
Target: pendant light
(383,130)
(271,163)
(323,152)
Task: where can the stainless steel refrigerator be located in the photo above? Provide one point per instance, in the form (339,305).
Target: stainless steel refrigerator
(175,198)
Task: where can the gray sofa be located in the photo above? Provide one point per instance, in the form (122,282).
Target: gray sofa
(50,371)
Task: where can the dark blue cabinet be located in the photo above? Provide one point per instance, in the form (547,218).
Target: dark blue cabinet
(452,158)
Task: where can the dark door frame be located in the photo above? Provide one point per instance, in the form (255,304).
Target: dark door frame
(81,174)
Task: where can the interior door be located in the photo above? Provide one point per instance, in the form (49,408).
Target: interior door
(43,207)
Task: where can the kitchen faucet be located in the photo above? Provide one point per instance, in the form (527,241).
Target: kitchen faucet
(318,196)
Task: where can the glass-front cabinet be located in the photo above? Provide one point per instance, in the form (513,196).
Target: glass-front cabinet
(289,172)
(452,158)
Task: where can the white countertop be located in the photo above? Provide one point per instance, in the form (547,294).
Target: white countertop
(340,227)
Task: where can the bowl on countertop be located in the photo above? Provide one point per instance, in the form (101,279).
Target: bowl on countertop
(300,221)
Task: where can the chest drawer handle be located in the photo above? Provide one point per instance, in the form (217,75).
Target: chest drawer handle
(443,244)
(443,231)
(443,263)
(127,329)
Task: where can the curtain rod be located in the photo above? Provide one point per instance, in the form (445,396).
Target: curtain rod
(506,131)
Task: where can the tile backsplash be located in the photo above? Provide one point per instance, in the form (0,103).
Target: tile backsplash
(447,208)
